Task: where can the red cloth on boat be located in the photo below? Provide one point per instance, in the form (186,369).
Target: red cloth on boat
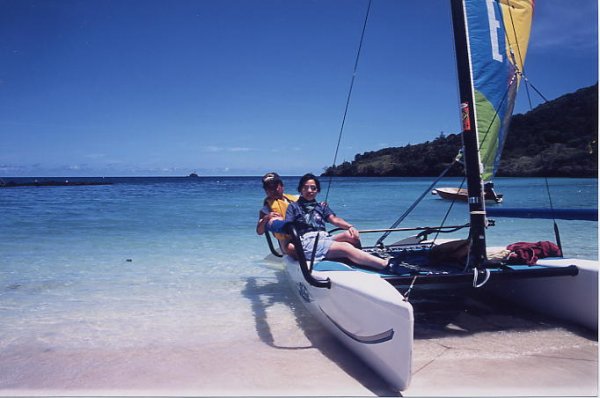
(530,252)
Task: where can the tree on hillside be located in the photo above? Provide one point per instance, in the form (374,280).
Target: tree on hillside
(558,138)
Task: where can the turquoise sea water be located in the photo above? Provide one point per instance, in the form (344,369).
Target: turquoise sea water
(171,260)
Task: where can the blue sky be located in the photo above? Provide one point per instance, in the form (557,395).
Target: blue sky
(242,87)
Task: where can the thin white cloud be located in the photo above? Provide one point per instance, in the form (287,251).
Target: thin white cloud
(212,148)
(95,156)
(8,169)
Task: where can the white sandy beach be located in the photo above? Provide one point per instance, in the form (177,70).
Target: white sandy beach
(466,348)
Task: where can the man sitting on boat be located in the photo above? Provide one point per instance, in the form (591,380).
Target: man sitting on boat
(274,207)
(309,217)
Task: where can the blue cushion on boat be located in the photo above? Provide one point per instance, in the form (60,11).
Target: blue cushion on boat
(331,266)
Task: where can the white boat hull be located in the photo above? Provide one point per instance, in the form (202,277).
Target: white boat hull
(462,194)
(364,312)
(570,298)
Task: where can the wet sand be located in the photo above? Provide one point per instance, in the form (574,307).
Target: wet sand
(464,346)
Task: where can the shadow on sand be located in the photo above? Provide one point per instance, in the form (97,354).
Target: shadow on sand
(264,293)
(438,314)
(464,312)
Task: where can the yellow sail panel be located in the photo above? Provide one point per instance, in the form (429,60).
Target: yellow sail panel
(517,16)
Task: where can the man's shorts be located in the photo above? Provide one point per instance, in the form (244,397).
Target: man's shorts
(323,245)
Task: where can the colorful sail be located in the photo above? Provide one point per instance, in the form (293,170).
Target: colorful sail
(498,35)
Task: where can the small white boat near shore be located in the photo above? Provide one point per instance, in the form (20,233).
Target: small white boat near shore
(460,194)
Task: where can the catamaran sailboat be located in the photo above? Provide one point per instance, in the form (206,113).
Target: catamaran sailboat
(365,309)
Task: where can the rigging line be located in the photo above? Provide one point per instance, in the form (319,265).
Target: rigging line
(337,148)
(512,21)
(528,94)
(556,232)
(549,196)
(522,70)
(496,113)
(519,73)
(535,89)
(527,84)
(412,207)
(449,210)
(514,78)
(485,135)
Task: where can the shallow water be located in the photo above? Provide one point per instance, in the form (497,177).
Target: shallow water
(176,262)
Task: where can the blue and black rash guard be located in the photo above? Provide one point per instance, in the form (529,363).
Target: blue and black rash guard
(309,215)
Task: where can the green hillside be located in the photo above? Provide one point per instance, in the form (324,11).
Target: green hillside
(556,139)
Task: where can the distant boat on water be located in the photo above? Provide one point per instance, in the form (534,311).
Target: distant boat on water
(461,194)
(193,175)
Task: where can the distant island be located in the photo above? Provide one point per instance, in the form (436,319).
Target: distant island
(556,139)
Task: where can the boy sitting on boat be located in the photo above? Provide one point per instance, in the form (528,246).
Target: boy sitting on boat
(274,207)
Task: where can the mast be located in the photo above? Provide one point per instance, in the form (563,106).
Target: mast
(477,251)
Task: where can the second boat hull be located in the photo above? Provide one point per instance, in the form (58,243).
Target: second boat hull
(569,298)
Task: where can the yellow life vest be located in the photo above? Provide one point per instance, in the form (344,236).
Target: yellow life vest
(280,206)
